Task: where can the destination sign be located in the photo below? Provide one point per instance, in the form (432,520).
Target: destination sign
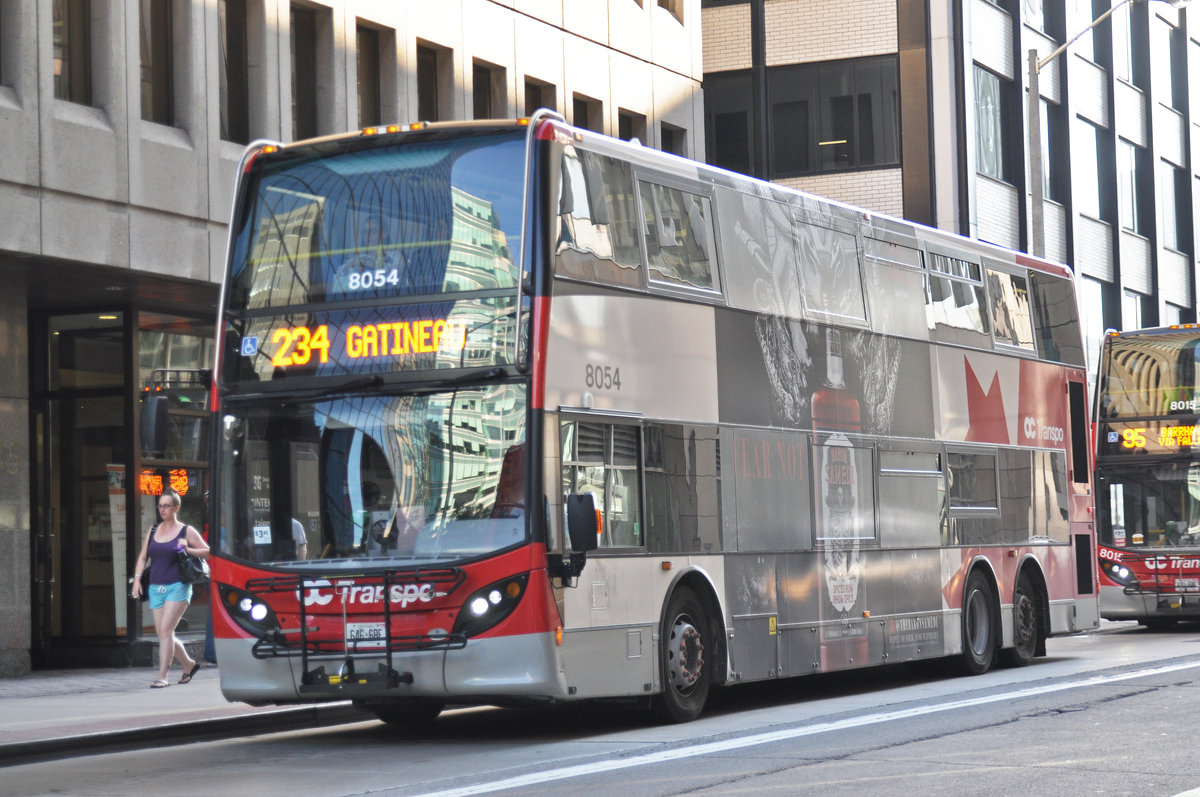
(1156,437)
(303,346)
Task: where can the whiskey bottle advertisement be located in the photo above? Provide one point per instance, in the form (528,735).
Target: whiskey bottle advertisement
(835,414)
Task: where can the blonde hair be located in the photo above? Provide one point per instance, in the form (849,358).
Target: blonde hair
(174,496)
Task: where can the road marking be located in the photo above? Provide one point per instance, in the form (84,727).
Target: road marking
(709,748)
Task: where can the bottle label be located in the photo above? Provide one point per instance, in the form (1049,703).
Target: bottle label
(839,498)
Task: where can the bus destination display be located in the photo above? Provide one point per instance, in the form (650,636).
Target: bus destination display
(1154,437)
(303,346)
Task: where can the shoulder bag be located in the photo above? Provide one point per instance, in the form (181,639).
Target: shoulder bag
(192,569)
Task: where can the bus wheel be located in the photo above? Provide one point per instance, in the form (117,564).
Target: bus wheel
(1025,625)
(686,675)
(1157,623)
(979,642)
(412,712)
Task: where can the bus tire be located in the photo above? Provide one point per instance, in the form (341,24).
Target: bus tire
(409,712)
(1026,625)
(686,673)
(1157,623)
(978,634)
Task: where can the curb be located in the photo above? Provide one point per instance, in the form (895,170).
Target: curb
(163,735)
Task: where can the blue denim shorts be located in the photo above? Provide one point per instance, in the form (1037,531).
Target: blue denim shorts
(175,591)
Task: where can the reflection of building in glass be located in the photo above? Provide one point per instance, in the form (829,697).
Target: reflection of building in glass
(478,247)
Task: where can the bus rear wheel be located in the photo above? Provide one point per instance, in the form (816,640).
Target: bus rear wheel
(978,636)
(687,676)
(1026,627)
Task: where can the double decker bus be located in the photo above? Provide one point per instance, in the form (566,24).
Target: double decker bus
(560,417)
(1148,475)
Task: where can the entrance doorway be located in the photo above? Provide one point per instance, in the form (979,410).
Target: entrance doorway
(94,490)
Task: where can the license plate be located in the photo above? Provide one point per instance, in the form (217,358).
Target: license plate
(364,636)
(1187,584)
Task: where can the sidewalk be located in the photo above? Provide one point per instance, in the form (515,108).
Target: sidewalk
(58,713)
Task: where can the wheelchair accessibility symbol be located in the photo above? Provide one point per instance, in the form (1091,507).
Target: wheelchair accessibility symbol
(249,346)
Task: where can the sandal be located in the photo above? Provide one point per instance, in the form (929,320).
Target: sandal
(187,676)
(159,684)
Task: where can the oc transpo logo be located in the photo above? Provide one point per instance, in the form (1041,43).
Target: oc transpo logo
(1035,431)
(322,593)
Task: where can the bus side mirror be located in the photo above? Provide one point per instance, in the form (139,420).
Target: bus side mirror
(581,522)
(154,426)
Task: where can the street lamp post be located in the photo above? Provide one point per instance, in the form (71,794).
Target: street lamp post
(1037,237)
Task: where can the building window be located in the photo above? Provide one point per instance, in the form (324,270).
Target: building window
(1168,56)
(728,121)
(488,91)
(674,6)
(233,73)
(1132,305)
(1091,318)
(1080,14)
(1173,200)
(673,139)
(366,45)
(991,116)
(832,116)
(587,113)
(1054,180)
(1128,28)
(1131,168)
(1122,54)
(433,66)
(631,125)
(72,51)
(1035,14)
(1085,180)
(304,73)
(158,101)
(539,94)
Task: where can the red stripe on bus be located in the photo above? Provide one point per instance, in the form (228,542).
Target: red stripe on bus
(541,334)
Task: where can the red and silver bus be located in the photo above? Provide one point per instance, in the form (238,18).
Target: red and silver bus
(1148,475)
(559,417)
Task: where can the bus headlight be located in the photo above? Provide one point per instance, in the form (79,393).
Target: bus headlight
(248,610)
(488,606)
(1118,572)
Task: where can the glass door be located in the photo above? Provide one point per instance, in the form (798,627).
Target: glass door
(83,444)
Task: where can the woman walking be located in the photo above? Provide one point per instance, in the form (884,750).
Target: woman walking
(169,596)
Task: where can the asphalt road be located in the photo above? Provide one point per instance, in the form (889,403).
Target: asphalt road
(1105,713)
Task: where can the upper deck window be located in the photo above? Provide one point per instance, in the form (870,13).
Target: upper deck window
(829,272)
(954,304)
(431,216)
(1012,320)
(597,227)
(1057,319)
(678,229)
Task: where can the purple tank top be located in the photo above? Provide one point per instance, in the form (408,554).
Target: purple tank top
(164,564)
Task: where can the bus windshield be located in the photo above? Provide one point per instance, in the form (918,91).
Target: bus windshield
(426,477)
(1150,505)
